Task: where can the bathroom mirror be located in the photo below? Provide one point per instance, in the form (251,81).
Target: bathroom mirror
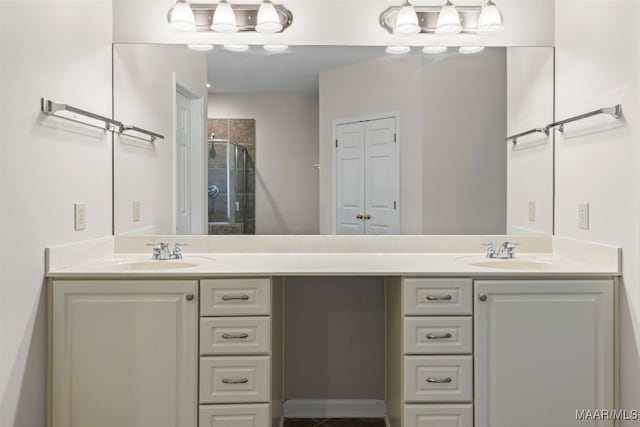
(333,140)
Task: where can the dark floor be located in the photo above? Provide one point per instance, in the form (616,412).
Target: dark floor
(334,422)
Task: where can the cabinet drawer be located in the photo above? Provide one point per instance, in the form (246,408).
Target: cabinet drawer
(235,297)
(437,416)
(254,415)
(438,379)
(235,335)
(424,297)
(438,335)
(234,379)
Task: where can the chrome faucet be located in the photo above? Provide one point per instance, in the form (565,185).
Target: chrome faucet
(507,250)
(161,251)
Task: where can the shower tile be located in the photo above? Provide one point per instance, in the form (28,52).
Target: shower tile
(220,127)
(243,132)
(226,228)
(217,155)
(218,177)
(219,212)
(249,227)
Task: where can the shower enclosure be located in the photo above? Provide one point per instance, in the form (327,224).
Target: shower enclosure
(229,193)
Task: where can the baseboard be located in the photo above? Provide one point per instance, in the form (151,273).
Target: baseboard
(334,408)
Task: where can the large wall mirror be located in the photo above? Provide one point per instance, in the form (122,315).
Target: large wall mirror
(333,140)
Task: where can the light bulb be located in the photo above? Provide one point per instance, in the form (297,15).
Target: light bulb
(397,50)
(448,20)
(275,47)
(468,50)
(181,17)
(490,20)
(201,47)
(237,47)
(434,49)
(268,20)
(224,19)
(406,21)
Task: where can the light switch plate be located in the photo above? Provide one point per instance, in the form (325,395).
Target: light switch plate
(80,216)
(583,216)
(136,211)
(532,211)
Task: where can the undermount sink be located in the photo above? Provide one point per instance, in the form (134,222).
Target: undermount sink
(513,264)
(155,265)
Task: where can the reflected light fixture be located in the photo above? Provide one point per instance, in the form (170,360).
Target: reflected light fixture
(398,49)
(181,17)
(201,47)
(208,85)
(407,20)
(468,50)
(224,18)
(268,20)
(434,49)
(448,20)
(275,47)
(237,47)
(490,20)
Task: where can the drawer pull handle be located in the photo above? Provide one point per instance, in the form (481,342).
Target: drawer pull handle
(439,337)
(442,298)
(231,297)
(235,380)
(439,380)
(235,337)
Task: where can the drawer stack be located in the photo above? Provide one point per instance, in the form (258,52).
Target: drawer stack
(437,361)
(235,352)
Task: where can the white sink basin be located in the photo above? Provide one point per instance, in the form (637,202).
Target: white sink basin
(155,265)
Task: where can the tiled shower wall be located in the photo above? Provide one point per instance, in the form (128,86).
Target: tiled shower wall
(243,133)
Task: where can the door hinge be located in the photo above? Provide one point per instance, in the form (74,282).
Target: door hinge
(395,205)
(395,137)
(336,143)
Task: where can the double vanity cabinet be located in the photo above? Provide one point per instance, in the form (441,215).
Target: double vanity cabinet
(209,351)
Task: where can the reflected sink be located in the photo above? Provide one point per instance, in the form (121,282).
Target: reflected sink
(155,265)
(513,264)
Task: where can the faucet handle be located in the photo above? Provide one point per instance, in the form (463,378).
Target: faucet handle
(177,250)
(488,244)
(157,248)
(491,250)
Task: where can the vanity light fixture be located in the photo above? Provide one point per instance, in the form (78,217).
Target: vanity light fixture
(490,20)
(434,49)
(268,20)
(398,49)
(448,20)
(469,50)
(224,18)
(276,47)
(407,20)
(237,47)
(181,17)
(200,47)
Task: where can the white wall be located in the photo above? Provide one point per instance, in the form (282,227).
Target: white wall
(530,92)
(464,178)
(335,22)
(61,50)
(286,152)
(598,161)
(144,95)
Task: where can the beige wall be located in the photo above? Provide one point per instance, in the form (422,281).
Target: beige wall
(144,94)
(530,80)
(464,124)
(286,152)
(60,50)
(598,160)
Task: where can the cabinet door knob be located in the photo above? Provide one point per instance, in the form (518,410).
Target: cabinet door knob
(359,216)
(482,297)
(189,297)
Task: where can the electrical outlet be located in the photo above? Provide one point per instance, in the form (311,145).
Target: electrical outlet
(532,211)
(583,216)
(80,216)
(136,211)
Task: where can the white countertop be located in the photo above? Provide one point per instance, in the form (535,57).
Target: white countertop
(548,257)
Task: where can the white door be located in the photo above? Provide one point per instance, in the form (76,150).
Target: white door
(183,160)
(367,177)
(124,353)
(543,350)
(381,177)
(350,178)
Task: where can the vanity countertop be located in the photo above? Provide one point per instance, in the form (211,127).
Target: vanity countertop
(128,257)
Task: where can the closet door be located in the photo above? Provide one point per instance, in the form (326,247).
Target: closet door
(381,177)
(350,178)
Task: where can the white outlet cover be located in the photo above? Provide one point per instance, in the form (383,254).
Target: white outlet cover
(80,216)
(583,216)
(136,210)
(532,211)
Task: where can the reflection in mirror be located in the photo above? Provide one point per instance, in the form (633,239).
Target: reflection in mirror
(333,140)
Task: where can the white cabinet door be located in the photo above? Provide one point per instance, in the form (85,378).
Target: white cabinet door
(543,350)
(350,178)
(124,353)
